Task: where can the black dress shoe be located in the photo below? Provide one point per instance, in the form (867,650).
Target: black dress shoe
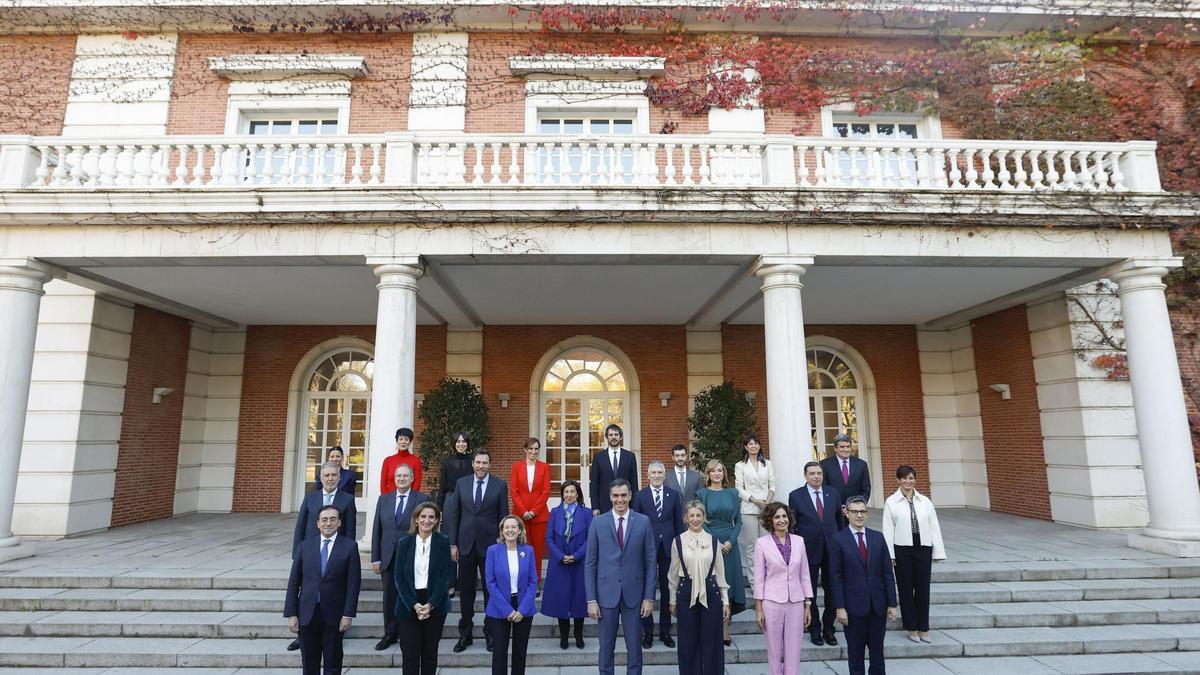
(295,644)
(461,645)
(727,642)
(489,643)
(831,640)
(647,641)
(668,640)
(387,641)
(816,639)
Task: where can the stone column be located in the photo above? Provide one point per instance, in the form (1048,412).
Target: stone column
(21,281)
(1167,461)
(393,385)
(788,423)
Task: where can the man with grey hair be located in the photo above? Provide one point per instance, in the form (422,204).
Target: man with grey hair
(664,507)
(846,474)
(329,495)
(393,517)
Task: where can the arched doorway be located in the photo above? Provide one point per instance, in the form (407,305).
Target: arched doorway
(336,410)
(841,400)
(580,390)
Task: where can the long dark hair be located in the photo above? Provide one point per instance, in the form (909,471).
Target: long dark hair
(578,490)
(454,441)
(762,459)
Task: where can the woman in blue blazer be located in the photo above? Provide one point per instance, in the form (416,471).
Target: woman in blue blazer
(347,479)
(563,596)
(423,571)
(512,588)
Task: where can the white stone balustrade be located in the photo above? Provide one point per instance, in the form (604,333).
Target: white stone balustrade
(442,159)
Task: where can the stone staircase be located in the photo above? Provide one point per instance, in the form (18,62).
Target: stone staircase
(1098,616)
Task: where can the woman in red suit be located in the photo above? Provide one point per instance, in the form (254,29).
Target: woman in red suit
(530,485)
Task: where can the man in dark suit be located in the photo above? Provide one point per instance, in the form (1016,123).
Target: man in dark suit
(328,495)
(680,477)
(615,462)
(322,593)
(393,518)
(665,510)
(849,475)
(817,507)
(864,587)
(473,514)
(618,578)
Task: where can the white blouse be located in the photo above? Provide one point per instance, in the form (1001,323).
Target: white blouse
(697,556)
(753,480)
(514,567)
(897,524)
(421,563)
(529,469)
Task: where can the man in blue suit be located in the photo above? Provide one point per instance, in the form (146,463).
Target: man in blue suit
(664,508)
(618,577)
(322,593)
(864,587)
(847,474)
(817,510)
(328,495)
(615,462)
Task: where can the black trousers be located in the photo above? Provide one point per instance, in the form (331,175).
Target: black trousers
(822,624)
(862,633)
(913,568)
(320,642)
(470,569)
(419,640)
(501,630)
(390,595)
(701,645)
(664,604)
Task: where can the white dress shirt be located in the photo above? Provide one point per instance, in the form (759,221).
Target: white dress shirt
(614,458)
(529,469)
(897,524)
(514,568)
(753,480)
(421,562)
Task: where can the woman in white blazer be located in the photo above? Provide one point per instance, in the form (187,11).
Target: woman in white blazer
(754,478)
(782,589)
(914,538)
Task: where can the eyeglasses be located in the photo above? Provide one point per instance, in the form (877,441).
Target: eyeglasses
(856,512)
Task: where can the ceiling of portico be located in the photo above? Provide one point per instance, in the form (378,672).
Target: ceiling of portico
(557,291)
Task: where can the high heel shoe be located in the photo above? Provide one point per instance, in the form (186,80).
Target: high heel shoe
(727,642)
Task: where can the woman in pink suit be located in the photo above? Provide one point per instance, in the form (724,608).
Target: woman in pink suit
(782,589)
(530,487)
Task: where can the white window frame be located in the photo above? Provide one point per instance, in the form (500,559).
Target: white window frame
(241,110)
(929,125)
(538,105)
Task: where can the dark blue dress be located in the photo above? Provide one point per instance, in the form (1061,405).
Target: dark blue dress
(563,596)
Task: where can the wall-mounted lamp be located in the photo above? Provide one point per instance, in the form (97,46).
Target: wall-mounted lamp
(159,393)
(663,397)
(751,395)
(504,400)
(1004,389)
(420,398)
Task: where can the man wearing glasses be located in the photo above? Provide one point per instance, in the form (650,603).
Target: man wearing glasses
(864,587)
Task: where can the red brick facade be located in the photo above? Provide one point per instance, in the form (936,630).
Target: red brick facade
(148,454)
(272,355)
(35,73)
(1012,430)
(891,355)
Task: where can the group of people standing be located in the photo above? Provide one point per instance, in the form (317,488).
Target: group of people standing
(698,540)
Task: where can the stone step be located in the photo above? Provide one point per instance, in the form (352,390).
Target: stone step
(270,600)
(249,625)
(276,577)
(51,652)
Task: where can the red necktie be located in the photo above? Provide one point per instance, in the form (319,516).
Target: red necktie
(820,507)
(862,547)
(845,472)
(621,533)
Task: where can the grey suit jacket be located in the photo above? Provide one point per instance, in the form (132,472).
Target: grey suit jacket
(385,532)
(687,493)
(613,575)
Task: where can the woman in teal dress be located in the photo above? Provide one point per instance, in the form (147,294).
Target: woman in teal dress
(725,523)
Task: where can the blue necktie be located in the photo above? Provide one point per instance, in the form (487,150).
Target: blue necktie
(328,499)
(324,555)
(400,511)
(478,492)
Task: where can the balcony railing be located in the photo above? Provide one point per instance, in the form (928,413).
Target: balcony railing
(451,159)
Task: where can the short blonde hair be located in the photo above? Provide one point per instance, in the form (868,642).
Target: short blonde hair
(424,506)
(520,529)
(712,464)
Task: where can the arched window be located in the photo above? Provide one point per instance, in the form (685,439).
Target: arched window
(582,392)
(835,397)
(338,407)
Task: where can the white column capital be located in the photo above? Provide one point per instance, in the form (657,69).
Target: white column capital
(397,271)
(782,270)
(1137,275)
(24,274)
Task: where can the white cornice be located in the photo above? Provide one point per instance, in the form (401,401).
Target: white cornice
(283,66)
(571,64)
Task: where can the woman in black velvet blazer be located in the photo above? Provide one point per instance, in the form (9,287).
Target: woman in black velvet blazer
(423,571)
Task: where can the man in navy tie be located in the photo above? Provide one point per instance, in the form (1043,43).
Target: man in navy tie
(665,510)
(817,508)
(393,517)
(864,587)
(328,474)
(322,594)
(847,474)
